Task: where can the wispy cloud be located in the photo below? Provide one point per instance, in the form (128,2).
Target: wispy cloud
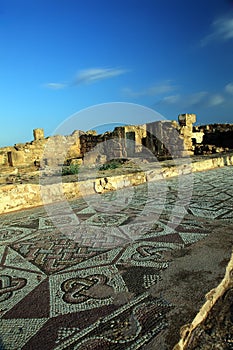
(158,89)
(215,100)
(172,99)
(88,76)
(199,99)
(221,30)
(196,98)
(185,100)
(55,86)
(93,75)
(229,88)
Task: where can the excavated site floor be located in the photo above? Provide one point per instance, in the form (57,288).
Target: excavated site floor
(123,270)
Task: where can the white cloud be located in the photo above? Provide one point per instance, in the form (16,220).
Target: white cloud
(222,30)
(215,100)
(185,100)
(229,88)
(196,98)
(55,86)
(92,75)
(201,99)
(173,99)
(154,90)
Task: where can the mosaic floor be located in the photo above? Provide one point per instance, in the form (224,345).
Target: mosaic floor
(78,275)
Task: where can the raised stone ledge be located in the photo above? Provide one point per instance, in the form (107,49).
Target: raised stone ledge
(22,196)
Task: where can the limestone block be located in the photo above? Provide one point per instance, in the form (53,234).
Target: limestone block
(2,158)
(16,158)
(198,136)
(76,161)
(91,158)
(102,159)
(186,119)
(74,151)
(103,185)
(38,134)
(91,132)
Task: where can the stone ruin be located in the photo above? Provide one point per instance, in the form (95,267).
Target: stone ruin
(216,138)
(161,139)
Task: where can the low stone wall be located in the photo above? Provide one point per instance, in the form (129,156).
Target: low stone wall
(22,196)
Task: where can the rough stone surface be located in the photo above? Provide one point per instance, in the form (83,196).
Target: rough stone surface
(160,139)
(21,194)
(38,134)
(213,324)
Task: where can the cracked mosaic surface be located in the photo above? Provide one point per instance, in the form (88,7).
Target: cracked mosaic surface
(80,279)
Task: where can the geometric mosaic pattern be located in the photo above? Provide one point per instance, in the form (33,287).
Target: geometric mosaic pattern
(85,286)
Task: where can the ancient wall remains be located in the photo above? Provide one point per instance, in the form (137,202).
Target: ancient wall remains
(216,138)
(38,134)
(160,138)
(186,122)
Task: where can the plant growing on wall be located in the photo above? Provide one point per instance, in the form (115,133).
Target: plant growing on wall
(72,169)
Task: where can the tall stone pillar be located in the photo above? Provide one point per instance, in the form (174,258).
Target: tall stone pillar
(186,129)
(38,134)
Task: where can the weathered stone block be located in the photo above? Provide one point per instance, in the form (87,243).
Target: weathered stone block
(16,158)
(186,119)
(38,134)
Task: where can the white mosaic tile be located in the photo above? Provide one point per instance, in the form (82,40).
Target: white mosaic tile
(102,259)
(88,210)
(11,234)
(150,280)
(14,259)
(150,228)
(147,254)
(16,332)
(65,332)
(189,238)
(209,214)
(76,286)
(107,219)
(15,285)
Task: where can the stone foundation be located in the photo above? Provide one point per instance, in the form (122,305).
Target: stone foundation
(22,196)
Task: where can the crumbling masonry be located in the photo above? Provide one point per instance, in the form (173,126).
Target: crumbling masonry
(161,139)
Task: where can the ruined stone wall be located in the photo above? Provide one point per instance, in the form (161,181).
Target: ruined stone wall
(197,137)
(220,135)
(186,122)
(216,127)
(219,138)
(42,150)
(130,139)
(168,138)
(161,138)
(88,142)
(60,149)
(216,138)
(27,154)
(4,155)
(123,142)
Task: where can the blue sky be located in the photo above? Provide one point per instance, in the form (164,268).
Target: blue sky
(59,57)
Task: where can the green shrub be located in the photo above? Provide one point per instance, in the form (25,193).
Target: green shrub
(111,165)
(72,169)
